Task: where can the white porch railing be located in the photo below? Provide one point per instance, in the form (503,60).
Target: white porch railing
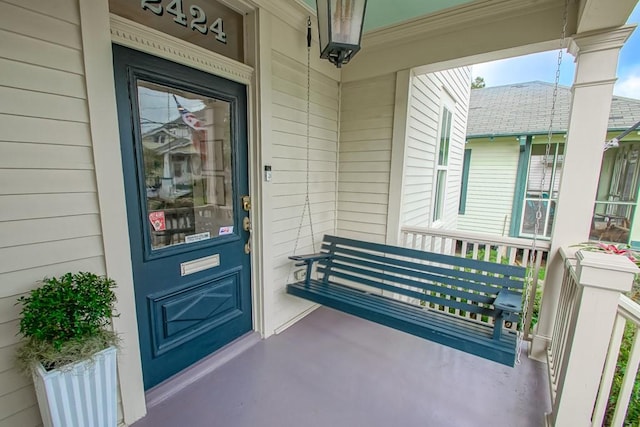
(628,317)
(480,246)
(590,322)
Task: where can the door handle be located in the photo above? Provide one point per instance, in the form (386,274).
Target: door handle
(246,224)
(246,203)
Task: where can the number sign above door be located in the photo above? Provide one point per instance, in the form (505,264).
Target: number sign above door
(205,23)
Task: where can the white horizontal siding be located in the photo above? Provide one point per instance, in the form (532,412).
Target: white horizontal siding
(49,221)
(288,148)
(491,187)
(425,103)
(366,128)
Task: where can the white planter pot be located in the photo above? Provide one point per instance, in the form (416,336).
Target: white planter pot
(81,395)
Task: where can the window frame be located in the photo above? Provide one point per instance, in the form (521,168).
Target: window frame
(549,203)
(439,199)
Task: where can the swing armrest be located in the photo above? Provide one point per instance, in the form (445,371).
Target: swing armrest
(508,301)
(509,306)
(308,260)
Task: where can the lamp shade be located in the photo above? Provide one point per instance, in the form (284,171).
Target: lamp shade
(340,28)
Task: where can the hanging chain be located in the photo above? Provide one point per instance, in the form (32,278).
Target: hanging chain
(543,181)
(307,203)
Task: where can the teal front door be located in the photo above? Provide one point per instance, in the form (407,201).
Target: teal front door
(183,138)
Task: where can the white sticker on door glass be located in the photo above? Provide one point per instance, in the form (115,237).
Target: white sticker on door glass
(197,237)
(225,230)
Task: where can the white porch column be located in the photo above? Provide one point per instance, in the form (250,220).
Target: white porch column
(596,55)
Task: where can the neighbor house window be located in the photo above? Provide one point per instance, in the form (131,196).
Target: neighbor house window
(541,196)
(617,194)
(442,164)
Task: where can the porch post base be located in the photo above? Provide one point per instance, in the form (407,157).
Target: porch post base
(538,348)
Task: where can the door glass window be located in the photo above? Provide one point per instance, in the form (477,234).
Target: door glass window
(186,150)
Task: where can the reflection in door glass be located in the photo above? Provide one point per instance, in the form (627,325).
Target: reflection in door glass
(186,149)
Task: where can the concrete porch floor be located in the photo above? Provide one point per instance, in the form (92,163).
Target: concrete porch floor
(332,369)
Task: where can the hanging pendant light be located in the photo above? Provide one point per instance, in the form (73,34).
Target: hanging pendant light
(340,27)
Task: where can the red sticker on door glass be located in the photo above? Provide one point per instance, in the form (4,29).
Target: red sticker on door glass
(157,221)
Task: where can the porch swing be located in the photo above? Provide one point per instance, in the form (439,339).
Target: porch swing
(451,300)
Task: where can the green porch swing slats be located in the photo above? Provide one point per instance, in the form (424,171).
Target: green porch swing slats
(418,292)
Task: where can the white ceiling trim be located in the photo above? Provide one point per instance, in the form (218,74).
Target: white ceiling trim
(288,10)
(598,14)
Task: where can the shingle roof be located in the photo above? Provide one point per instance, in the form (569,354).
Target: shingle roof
(525,108)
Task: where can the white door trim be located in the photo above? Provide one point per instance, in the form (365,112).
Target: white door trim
(105,139)
(145,39)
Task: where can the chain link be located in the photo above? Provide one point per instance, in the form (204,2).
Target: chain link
(307,203)
(543,182)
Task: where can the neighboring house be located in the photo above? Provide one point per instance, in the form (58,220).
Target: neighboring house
(505,159)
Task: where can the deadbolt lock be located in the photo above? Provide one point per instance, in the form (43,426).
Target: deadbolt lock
(246,203)
(246,224)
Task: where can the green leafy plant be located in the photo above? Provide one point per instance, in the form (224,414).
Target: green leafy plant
(66,320)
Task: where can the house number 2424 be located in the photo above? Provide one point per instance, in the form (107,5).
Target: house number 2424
(198,17)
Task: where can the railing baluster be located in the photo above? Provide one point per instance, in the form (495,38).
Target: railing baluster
(609,371)
(538,254)
(627,383)
(499,250)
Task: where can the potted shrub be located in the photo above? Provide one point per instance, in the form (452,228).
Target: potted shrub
(70,350)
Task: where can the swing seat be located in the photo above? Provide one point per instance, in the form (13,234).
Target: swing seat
(458,302)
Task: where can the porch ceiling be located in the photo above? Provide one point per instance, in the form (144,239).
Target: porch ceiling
(438,35)
(381,13)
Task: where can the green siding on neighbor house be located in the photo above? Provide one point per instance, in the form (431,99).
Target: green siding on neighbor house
(495,193)
(491,186)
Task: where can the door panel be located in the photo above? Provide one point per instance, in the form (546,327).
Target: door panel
(184,150)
